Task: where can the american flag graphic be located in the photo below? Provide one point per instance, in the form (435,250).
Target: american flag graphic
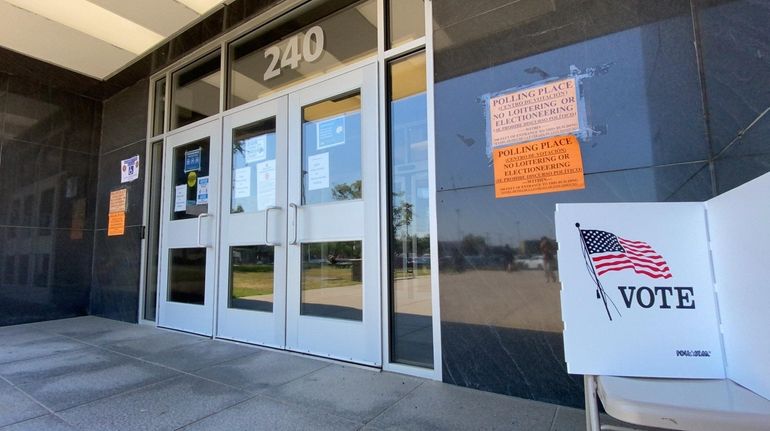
(610,252)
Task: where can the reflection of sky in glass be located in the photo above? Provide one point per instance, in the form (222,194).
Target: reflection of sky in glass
(409,152)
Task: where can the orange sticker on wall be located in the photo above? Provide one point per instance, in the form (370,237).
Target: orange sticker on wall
(544,166)
(116,225)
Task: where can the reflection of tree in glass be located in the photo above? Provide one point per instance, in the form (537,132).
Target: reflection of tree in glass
(238,209)
(403,214)
(345,191)
(238,146)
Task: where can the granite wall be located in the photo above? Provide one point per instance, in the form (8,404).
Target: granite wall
(49,143)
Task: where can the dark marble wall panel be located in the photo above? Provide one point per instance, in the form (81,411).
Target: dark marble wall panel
(115,287)
(109,180)
(44,274)
(48,144)
(125,117)
(735,40)
(117,259)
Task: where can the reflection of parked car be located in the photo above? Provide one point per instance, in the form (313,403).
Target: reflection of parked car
(423,260)
(531,262)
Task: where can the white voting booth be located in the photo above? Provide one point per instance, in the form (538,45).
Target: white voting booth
(666,309)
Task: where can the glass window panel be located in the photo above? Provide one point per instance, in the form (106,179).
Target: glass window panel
(411,307)
(406,21)
(151,286)
(187,275)
(331,150)
(253,167)
(332,280)
(251,277)
(159,107)
(191,166)
(260,65)
(195,91)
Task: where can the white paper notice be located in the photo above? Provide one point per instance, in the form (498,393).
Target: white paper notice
(242,182)
(265,184)
(129,169)
(180,197)
(202,196)
(255,149)
(318,171)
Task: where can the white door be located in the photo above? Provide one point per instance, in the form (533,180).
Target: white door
(252,281)
(333,289)
(190,202)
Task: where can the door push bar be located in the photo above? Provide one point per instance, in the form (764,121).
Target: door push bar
(267,224)
(201,216)
(295,207)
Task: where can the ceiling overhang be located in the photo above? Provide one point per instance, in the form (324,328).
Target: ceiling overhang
(96,38)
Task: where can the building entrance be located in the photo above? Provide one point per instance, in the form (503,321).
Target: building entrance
(271,235)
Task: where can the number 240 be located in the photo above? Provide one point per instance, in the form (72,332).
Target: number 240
(292,54)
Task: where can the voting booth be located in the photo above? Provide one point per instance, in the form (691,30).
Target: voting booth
(665,308)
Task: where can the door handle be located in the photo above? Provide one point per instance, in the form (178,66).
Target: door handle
(295,208)
(267,223)
(200,217)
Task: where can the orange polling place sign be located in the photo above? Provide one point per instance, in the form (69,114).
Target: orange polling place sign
(116,224)
(543,166)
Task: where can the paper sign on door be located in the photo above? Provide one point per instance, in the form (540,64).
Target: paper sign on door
(265,185)
(242,182)
(180,197)
(318,171)
(202,195)
(255,149)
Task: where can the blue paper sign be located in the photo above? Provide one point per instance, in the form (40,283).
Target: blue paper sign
(192,160)
(331,132)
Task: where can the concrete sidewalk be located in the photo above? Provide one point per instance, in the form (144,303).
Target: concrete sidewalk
(99,374)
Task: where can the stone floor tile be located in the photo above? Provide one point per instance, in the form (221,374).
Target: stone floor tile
(350,392)
(262,370)
(199,355)
(262,413)
(156,341)
(15,406)
(24,348)
(69,390)
(438,406)
(166,405)
(40,423)
(46,367)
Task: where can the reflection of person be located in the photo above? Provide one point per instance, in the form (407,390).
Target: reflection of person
(547,249)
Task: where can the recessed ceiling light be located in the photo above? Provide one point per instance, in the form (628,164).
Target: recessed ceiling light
(200,6)
(95,21)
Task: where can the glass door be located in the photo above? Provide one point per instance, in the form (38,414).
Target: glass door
(252,282)
(189,225)
(333,291)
